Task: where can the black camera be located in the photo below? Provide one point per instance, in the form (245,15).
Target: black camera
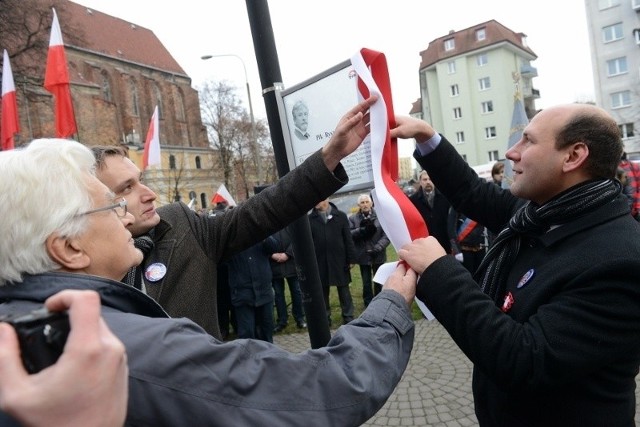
(42,335)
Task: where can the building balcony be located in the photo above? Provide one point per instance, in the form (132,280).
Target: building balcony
(528,71)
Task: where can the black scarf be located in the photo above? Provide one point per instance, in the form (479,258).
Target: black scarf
(134,275)
(534,220)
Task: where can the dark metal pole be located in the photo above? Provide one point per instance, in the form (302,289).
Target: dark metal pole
(306,264)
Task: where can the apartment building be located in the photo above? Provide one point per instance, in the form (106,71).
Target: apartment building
(468,82)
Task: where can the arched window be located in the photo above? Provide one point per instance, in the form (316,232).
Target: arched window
(203,200)
(106,87)
(172,161)
(178,99)
(198,166)
(158,98)
(133,90)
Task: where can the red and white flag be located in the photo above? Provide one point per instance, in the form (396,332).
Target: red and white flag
(398,216)
(56,81)
(151,154)
(223,195)
(10,124)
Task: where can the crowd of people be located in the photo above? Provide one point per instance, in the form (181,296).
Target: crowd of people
(549,316)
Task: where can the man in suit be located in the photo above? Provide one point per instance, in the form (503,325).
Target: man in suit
(434,208)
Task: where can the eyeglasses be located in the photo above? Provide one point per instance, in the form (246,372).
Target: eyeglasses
(119,208)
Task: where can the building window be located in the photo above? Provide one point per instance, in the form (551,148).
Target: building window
(485,83)
(106,87)
(487,107)
(459,137)
(198,165)
(172,161)
(617,66)
(606,4)
(135,109)
(621,99)
(179,104)
(626,130)
(203,200)
(612,33)
(490,132)
(451,67)
(482,59)
(158,98)
(449,44)
(457,113)
(455,91)
(493,156)
(481,34)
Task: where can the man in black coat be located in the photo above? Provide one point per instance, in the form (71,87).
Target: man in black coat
(335,254)
(283,268)
(434,208)
(552,321)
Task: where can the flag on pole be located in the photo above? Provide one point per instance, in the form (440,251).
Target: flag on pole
(10,124)
(519,121)
(223,195)
(151,154)
(56,81)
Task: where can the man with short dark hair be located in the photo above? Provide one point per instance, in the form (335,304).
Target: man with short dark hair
(182,249)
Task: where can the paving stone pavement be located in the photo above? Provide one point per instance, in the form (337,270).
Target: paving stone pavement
(435,390)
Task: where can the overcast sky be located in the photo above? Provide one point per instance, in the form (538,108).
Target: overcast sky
(312,36)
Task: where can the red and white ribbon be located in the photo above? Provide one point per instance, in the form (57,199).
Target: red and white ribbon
(398,216)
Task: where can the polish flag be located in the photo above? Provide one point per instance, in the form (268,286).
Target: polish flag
(56,81)
(151,154)
(9,125)
(223,195)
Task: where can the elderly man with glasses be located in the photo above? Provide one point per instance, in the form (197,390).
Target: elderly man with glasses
(179,374)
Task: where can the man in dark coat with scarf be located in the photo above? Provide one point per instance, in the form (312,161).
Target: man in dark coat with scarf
(335,254)
(552,320)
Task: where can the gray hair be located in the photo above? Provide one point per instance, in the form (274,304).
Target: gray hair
(43,191)
(363,197)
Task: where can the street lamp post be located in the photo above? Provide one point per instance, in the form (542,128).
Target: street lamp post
(254,135)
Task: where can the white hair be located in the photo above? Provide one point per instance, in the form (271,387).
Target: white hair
(363,197)
(42,191)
